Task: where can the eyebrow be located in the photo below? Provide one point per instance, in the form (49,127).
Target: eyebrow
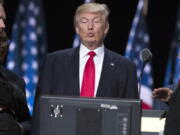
(83,18)
(97,17)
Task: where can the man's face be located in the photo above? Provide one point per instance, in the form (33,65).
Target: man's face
(3,38)
(92,29)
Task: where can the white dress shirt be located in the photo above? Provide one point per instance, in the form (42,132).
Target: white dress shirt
(98,61)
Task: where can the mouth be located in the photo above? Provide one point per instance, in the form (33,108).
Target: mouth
(90,34)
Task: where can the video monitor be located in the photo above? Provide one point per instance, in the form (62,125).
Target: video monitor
(89,116)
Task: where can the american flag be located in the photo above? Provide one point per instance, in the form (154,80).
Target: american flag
(138,40)
(76,41)
(173,66)
(28,45)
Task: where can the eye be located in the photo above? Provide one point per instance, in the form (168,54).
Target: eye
(97,20)
(83,20)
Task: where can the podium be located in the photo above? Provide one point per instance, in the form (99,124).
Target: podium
(96,116)
(89,116)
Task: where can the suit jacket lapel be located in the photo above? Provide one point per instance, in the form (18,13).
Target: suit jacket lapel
(72,71)
(106,75)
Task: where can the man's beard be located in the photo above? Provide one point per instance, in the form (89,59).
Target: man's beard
(3,46)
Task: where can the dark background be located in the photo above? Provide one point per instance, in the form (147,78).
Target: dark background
(60,31)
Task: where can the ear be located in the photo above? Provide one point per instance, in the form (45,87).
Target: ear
(77,29)
(107,28)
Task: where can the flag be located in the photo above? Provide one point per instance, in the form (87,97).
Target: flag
(76,41)
(138,40)
(27,45)
(172,72)
(173,65)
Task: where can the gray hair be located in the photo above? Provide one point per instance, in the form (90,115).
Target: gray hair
(92,8)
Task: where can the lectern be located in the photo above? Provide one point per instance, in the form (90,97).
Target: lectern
(89,116)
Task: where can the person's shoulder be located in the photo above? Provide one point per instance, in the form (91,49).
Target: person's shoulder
(11,76)
(119,58)
(63,52)
(59,55)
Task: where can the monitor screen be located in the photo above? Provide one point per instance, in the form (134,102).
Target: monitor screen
(89,116)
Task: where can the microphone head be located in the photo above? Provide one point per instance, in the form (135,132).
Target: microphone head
(146,55)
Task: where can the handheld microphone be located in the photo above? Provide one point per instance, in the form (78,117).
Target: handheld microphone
(145,56)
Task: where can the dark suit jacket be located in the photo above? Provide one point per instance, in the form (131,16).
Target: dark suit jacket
(9,122)
(60,75)
(172,126)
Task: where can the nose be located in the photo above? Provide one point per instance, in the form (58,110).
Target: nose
(90,25)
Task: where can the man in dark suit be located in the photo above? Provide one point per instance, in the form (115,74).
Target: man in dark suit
(90,70)
(63,71)
(14,113)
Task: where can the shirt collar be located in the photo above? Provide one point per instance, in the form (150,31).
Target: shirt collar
(84,50)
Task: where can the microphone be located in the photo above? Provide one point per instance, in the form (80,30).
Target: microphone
(145,56)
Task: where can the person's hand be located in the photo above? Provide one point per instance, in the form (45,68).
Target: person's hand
(164,94)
